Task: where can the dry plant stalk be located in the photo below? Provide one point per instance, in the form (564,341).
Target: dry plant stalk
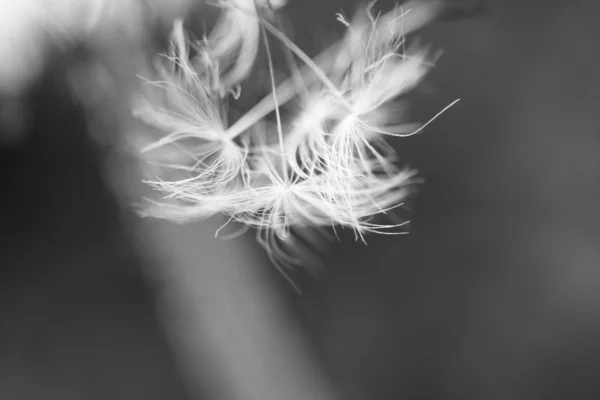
(327,164)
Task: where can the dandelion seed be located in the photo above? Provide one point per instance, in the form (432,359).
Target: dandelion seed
(184,102)
(235,38)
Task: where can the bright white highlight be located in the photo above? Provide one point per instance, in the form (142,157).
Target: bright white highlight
(28,27)
(325,165)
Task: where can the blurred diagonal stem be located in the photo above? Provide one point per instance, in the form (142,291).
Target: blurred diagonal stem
(227,322)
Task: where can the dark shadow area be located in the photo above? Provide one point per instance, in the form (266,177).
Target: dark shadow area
(494,294)
(77,321)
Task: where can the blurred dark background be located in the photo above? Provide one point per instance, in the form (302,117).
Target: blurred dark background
(495,294)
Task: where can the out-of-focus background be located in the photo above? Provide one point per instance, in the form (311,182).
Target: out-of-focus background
(494,294)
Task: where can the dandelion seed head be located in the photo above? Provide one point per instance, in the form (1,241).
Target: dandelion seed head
(325,164)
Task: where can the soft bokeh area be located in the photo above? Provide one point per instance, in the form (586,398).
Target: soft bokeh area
(494,294)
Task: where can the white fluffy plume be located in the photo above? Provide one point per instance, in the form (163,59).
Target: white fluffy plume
(325,165)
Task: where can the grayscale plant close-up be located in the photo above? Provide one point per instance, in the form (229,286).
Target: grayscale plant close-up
(314,153)
(285,199)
